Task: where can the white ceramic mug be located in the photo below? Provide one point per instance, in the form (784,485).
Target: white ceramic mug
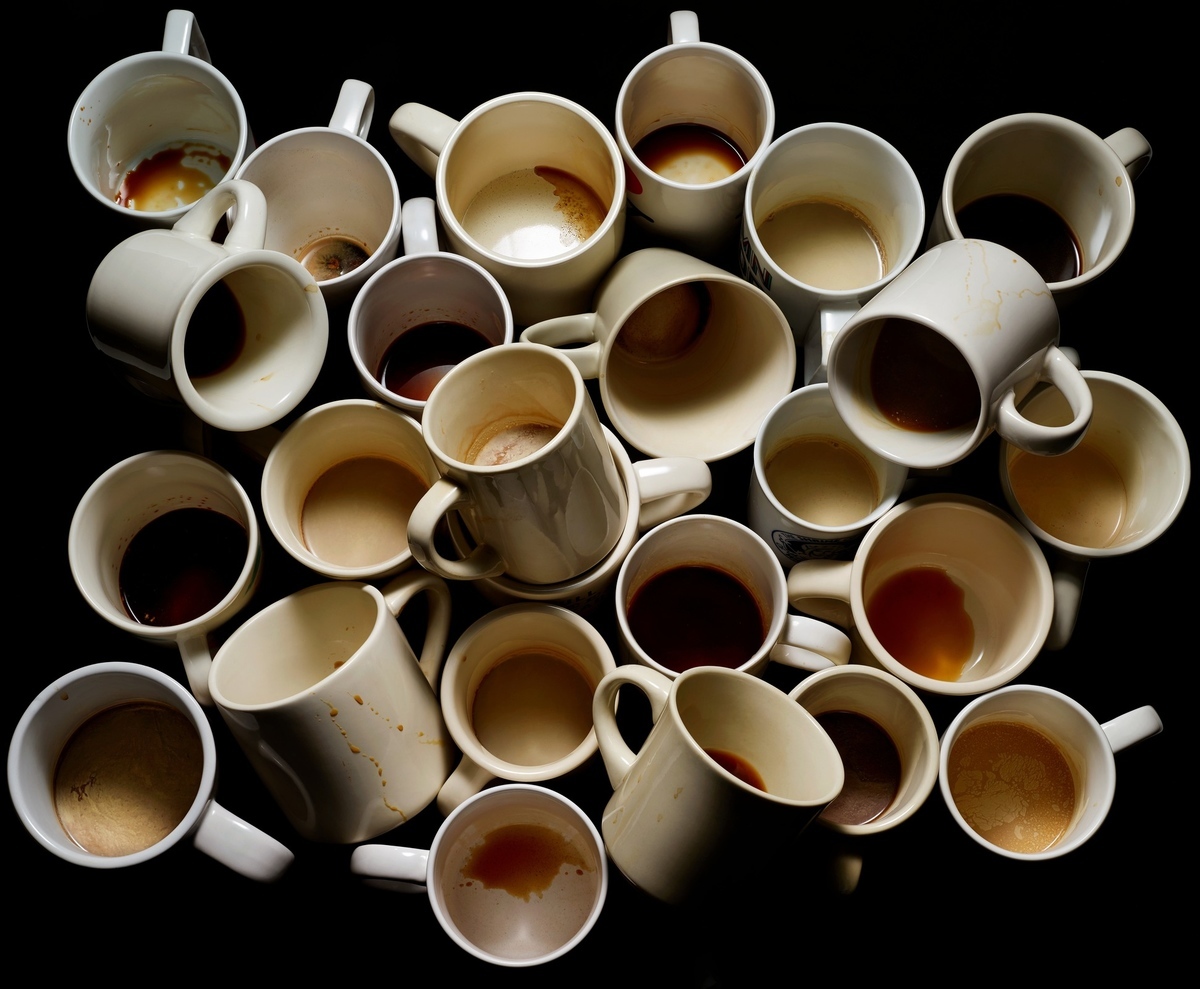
(1078,186)
(942,355)
(815,489)
(525,462)
(215,568)
(156,131)
(1118,491)
(99,716)
(335,712)
(832,214)
(689,357)
(529,185)
(704,590)
(516,875)
(234,331)
(946,592)
(712,116)
(1036,777)
(730,774)
(332,201)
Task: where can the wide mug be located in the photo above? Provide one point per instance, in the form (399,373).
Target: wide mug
(942,356)
(529,185)
(174,536)
(1116,492)
(730,774)
(234,331)
(832,214)
(144,764)
(693,119)
(688,356)
(334,710)
(156,131)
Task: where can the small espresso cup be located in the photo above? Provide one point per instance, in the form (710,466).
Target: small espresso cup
(165,545)
(340,484)
(730,774)
(532,187)
(332,200)
(693,119)
(335,712)
(525,462)
(704,590)
(114,764)
(1048,188)
(689,357)
(421,314)
(832,214)
(516,875)
(517,697)
(235,332)
(815,489)
(1056,761)
(885,736)
(155,132)
(946,592)
(1116,492)
(941,357)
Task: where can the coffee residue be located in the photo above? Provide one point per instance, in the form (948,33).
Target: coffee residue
(522,859)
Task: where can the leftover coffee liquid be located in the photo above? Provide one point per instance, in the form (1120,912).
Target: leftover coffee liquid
(422,355)
(1028,227)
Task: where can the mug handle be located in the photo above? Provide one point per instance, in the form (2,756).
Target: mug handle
(418,223)
(808,644)
(422,133)
(1049,440)
(444,496)
(827,321)
(822,588)
(568,333)
(400,591)
(197,662)
(1133,150)
(1132,726)
(409,865)
(618,756)
(467,780)
(684,27)
(669,487)
(1068,573)
(239,845)
(355,108)
(247,232)
(182,36)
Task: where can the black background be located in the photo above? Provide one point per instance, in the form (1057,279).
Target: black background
(921,81)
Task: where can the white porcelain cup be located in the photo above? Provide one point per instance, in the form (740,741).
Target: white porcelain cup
(120,504)
(946,592)
(234,331)
(1118,491)
(529,185)
(125,695)
(943,354)
(1057,762)
(1069,170)
(332,200)
(723,602)
(832,214)
(525,462)
(422,313)
(689,357)
(815,489)
(712,116)
(730,774)
(335,712)
(156,131)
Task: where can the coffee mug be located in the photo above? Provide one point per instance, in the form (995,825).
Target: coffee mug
(532,187)
(941,357)
(332,200)
(517,697)
(165,545)
(525,462)
(1118,491)
(815,489)
(730,774)
(693,119)
(946,592)
(335,712)
(516,875)
(155,132)
(1047,188)
(689,357)
(704,590)
(421,314)
(1029,774)
(888,744)
(234,331)
(114,764)
(832,214)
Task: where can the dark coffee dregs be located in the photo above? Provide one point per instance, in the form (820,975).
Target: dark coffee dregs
(1028,227)
(420,357)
